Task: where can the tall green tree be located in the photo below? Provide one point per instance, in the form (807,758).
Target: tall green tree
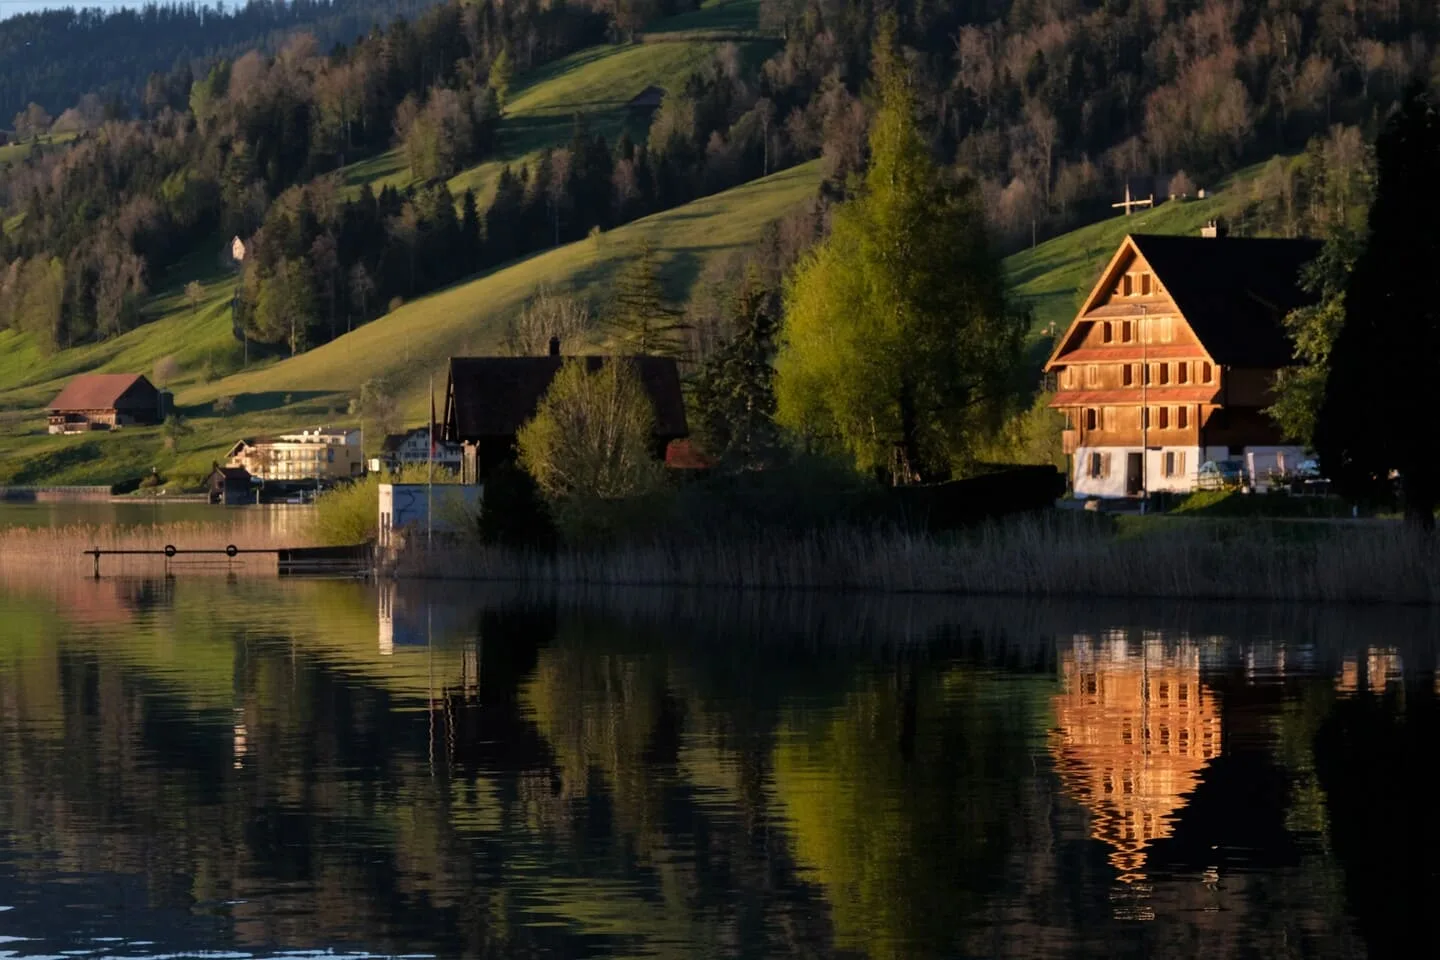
(1375,417)
(898,345)
(1300,389)
(285,308)
(642,320)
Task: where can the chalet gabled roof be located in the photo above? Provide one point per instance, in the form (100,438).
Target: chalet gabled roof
(1234,292)
(97,391)
(494,396)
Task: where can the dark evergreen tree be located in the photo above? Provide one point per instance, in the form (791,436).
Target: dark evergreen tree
(735,391)
(1375,418)
(642,321)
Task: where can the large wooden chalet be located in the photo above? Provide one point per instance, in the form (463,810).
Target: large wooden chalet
(1170,362)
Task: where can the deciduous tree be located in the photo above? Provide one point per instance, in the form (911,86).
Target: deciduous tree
(898,345)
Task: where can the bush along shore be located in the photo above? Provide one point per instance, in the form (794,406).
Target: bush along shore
(1046,555)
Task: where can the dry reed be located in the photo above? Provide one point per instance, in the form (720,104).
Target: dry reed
(62,549)
(1372,562)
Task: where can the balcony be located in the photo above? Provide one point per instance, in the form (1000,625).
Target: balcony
(1069,440)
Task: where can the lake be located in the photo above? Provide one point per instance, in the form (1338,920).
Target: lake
(287,768)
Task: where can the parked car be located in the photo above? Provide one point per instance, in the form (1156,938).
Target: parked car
(1221,475)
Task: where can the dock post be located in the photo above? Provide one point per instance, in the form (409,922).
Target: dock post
(97,563)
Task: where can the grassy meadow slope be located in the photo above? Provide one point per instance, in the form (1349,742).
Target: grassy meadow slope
(596,82)
(1053,278)
(405,347)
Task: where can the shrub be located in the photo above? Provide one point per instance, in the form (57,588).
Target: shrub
(350,513)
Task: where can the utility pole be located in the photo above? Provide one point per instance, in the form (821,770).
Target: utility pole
(1144,407)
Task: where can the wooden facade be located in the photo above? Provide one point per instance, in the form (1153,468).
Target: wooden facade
(1170,362)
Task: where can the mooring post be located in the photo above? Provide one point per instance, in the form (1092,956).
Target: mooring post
(97,563)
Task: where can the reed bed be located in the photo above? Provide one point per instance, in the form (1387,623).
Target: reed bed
(61,549)
(1368,563)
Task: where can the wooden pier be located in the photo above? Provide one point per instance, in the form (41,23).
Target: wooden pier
(352,561)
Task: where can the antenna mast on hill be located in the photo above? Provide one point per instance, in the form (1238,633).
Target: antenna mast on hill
(1128,203)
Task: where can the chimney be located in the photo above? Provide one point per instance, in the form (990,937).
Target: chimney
(554,346)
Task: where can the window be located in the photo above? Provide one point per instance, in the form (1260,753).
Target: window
(1127,286)
(1144,284)
(1174,463)
(1107,332)
(1167,329)
(1092,375)
(1164,374)
(1207,372)
(1164,418)
(1108,417)
(1127,375)
(1182,418)
(1182,373)
(1099,465)
(1067,377)
(1127,331)
(1091,418)
(1145,418)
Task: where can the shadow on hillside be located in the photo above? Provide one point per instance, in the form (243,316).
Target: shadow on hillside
(301,402)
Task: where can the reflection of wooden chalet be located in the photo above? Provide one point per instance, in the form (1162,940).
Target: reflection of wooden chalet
(488,400)
(105,401)
(1133,732)
(1170,361)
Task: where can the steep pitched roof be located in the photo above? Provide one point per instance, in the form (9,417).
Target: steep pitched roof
(97,391)
(1234,292)
(494,396)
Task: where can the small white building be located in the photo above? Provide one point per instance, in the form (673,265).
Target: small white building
(406,511)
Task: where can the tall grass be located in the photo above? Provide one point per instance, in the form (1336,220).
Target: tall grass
(1051,556)
(61,550)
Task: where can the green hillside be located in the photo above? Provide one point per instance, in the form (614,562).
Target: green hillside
(597,82)
(406,347)
(1054,277)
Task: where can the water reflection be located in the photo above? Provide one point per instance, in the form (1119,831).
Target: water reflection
(239,765)
(1135,727)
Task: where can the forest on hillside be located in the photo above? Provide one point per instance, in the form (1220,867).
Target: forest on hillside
(54,57)
(1050,106)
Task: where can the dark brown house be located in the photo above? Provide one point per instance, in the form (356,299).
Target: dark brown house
(230,486)
(105,401)
(488,400)
(647,101)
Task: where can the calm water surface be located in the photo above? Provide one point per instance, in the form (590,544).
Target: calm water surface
(258,769)
(271,518)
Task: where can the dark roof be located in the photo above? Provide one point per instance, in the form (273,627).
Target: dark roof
(232,474)
(394,441)
(494,396)
(647,99)
(1234,292)
(100,391)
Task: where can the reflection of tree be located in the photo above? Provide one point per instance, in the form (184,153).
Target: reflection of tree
(903,801)
(1134,728)
(1373,757)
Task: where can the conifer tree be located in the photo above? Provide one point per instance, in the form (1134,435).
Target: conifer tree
(642,321)
(735,392)
(1375,418)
